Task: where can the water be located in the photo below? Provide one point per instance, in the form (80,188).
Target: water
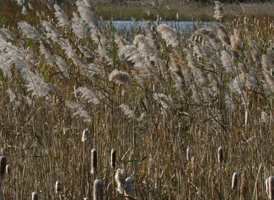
(132,26)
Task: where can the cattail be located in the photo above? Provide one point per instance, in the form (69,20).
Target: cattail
(3,163)
(188,154)
(113,158)
(220,154)
(58,187)
(93,161)
(34,196)
(85,135)
(129,187)
(8,169)
(98,190)
(234,181)
(271,187)
(267,186)
(120,180)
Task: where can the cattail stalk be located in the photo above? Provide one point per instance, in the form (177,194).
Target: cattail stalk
(84,140)
(220,160)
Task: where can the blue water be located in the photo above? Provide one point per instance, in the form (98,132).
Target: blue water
(130,26)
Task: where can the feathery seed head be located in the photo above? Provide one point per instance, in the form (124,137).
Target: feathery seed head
(120,180)
(120,77)
(85,136)
(129,187)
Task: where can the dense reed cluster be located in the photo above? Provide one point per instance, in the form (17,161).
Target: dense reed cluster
(88,112)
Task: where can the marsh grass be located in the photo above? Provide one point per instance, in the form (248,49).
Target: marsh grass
(197,92)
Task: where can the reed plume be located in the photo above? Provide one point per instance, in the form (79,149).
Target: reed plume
(223,35)
(61,16)
(87,94)
(120,77)
(168,34)
(29,31)
(219,13)
(86,51)
(120,180)
(211,36)
(8,33)
(129,187)
(52,32)
(126,110)
(85,136)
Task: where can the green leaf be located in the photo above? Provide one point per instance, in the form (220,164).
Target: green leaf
(31,145)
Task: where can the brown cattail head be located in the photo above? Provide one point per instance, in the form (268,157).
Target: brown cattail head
(8,169)
(271,187)
(113,158)
(3,163)
(220,154)
(34,196)
(188,154)
(85,135)
(98,190)
(129,188)
(234,181)
(93,161)
(58,187)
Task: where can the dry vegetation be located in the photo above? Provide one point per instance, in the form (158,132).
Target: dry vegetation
(73,89)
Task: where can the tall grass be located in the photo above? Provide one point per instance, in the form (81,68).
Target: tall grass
(150,96)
